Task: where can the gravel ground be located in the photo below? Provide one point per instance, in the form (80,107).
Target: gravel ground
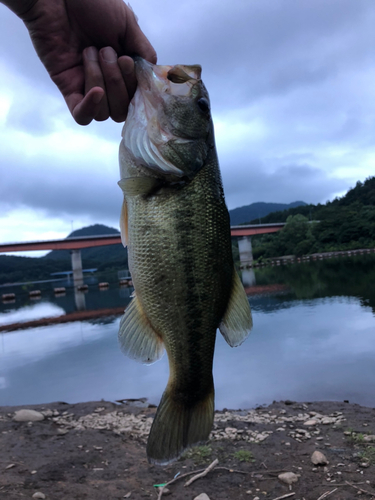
(96,451)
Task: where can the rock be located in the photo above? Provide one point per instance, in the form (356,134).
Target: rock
(202,496)
(288,477)
(318,458)
(47,412)
(311,421)
(166,491)
(369,439)
(327,421)
(28,416)
(39,494)
(62,432)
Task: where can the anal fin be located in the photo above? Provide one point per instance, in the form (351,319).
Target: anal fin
(138,340)
(237,321)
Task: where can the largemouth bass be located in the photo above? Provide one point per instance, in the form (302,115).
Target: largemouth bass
(176,226)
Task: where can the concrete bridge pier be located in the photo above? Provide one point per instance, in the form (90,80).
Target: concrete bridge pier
(77,268)
(248,277)
(246,251)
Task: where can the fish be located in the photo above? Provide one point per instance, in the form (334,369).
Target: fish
(176,226)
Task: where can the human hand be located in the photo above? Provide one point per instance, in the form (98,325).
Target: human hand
(85,46)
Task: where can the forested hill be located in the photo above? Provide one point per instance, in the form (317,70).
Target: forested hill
(99,254)
(243,215)
(20,269)
(345,223)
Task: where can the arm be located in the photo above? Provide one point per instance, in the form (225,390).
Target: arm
(86,47)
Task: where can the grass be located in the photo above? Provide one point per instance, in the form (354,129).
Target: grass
(243,456)
(199,454)
(368,455)
(356,437)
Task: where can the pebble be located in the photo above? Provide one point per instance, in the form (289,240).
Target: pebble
(310,422)
(224,427)
(166,491)
(28,416)
(369,439)
(288,477)
(62,432)
(202,496)
(39,494)
(318,458)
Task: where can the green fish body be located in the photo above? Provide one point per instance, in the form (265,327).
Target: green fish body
(176,225)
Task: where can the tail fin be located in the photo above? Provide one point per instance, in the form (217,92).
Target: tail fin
(178,426)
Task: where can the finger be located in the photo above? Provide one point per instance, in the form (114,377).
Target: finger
(85,109)
(136,42)
(94,78)
(116,89)
(126,64)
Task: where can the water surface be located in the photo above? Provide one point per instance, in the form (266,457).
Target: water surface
(315,341)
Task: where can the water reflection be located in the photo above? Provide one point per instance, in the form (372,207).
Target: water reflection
(314,342)
(317,350)
(80,300)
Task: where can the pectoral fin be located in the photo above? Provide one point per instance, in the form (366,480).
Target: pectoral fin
(133,186)
(237,321)
(138,340)
(124,223)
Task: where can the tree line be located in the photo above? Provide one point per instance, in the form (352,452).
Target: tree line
(346,223)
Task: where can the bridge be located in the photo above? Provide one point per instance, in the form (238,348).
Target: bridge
(75,245)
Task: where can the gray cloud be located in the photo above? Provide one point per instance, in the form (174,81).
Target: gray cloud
(288,183)
(301,71)
(74,194)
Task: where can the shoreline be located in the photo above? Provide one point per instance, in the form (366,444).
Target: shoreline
(117,311)
(96,450)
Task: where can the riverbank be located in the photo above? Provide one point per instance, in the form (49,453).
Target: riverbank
(96,450)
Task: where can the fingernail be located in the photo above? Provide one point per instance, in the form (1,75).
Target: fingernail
(109,55)
(91,54)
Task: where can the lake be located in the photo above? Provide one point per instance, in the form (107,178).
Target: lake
(313,339)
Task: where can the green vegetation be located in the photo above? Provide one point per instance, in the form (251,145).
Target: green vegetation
(346,223)
(108,258)
(243,215)
(368,455)
(199,454)
(243,456)
(356,437)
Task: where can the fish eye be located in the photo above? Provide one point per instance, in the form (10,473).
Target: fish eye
(203,104)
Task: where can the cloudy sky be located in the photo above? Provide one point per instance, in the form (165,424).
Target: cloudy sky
(292,86)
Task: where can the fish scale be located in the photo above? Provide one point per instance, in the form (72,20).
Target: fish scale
(179,249)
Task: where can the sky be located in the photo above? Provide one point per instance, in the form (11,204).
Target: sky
(292,96)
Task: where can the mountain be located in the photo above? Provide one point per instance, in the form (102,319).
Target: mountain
(243,215)
(346,223)
(105,258)
(100,255)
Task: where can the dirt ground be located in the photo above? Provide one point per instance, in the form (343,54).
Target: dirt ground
(96,451)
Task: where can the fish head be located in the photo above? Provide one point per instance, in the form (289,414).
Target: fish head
(169,127)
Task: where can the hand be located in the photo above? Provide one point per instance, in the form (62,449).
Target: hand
(85,46)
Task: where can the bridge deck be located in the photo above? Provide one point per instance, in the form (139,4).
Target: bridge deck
(114,239)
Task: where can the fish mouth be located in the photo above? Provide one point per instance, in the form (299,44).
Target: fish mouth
(148,129)
(174,80)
